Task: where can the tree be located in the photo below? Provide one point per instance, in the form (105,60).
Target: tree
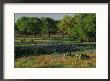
(66,24)
(49,25)
(44,25)
(16,28)
(29,25)
(22,25)
(85,27)
(89,26)
(35,25)
(80,27)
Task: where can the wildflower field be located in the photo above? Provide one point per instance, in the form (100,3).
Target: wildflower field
(57,61)
(44,42)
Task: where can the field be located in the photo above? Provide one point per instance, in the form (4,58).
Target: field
(57,53)
(46,42)
(57,61)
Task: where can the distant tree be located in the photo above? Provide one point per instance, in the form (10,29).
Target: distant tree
(16,28)
(85,27)
(22,25)
(49,25)
(80,27)
(35,25)
(66,24)
(76,32)
(89,26)
(29,25)
(52,26)
(44,25)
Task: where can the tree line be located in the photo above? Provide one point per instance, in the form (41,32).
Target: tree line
(79,27)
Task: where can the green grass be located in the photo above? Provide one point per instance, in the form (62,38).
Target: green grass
(29,41)
(53,60)
(57,61)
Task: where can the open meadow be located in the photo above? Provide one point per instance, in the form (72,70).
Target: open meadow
(58,61)
(44,42)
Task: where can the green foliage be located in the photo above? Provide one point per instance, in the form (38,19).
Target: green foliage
(30,50)
(29,25)
(49,25)
(23,25)
(35,25)
(44,25)
(55,43)
(85,28)
(79,27)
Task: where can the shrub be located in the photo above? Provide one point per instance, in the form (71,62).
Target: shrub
(38,49)
(43,49)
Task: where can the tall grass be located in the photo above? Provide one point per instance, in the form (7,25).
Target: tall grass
(54,52)
(57,61)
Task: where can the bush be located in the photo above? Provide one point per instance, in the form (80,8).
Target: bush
(43,49)
(38,49)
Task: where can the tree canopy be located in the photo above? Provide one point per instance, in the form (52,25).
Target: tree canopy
(79,27)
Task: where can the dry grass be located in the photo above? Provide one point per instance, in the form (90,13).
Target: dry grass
(57,61)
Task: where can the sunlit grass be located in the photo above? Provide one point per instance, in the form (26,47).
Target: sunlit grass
(57,61)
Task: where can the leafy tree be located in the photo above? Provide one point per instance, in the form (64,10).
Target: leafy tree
(85,27)
(29,25)
(22,25)
(49,25)
(35,25)
(89,26)
(16,28)
(44,25)
(80,27)
(66,24)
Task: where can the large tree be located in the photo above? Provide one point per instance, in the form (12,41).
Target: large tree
(89,26)
(49,25)
(85,27)
(22,25)
(29,25)
(44,26)
(66,24)
(35,25)
(80,27)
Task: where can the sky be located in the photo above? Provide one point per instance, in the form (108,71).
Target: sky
(55,16)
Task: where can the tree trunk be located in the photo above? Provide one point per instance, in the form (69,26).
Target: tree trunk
(40,34)
(49,34)
(44,33)
(27,35)
(63,34)
(35,35)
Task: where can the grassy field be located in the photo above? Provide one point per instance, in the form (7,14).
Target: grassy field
(58,61)
(69,42)
(53,52)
